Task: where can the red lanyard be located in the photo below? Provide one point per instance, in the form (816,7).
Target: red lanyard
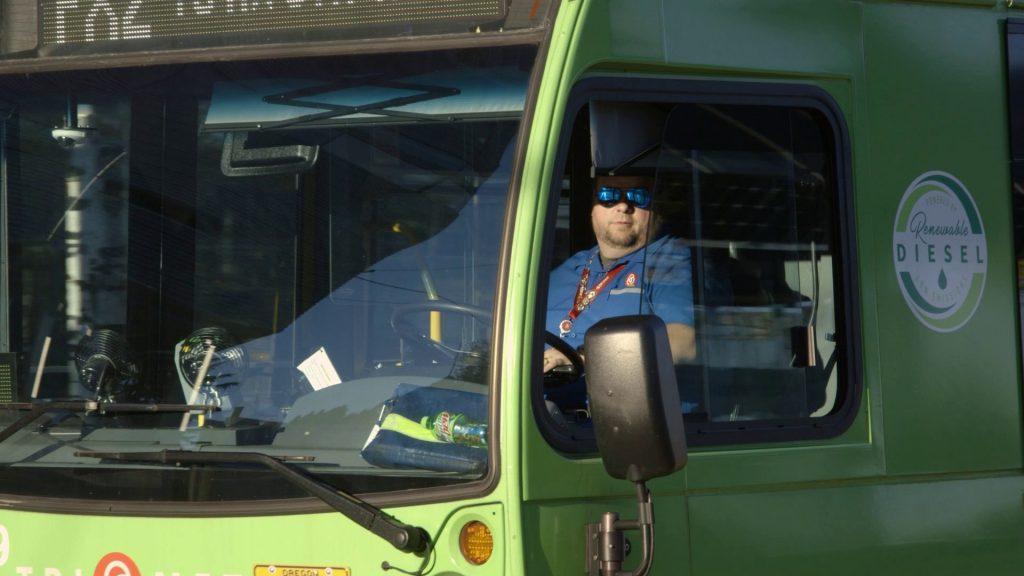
(584,297)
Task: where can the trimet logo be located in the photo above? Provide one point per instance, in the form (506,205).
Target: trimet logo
(939,251)
(116,564)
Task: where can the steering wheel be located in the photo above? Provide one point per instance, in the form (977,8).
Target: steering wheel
(407,332)
(438,350)
(561,375)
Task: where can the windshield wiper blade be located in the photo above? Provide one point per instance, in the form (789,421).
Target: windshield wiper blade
(36,409)
(404,537)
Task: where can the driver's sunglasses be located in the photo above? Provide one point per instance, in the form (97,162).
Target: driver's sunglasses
(638,196)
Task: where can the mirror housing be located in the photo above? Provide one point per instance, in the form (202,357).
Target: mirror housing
(634,399)
(238,159)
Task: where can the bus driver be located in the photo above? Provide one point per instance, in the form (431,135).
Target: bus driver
(634,268)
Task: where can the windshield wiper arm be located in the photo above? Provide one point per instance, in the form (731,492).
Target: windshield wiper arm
(402,536)
(379,108)
(36,409)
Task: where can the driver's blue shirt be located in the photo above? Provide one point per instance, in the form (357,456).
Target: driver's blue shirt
(656,279)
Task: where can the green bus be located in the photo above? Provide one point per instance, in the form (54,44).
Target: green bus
(278,279)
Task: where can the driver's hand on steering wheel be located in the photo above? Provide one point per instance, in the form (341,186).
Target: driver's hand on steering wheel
(553,359)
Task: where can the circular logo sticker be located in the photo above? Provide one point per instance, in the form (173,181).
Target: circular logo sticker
(116,564)
(939,251)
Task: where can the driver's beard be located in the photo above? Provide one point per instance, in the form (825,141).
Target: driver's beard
(628,241)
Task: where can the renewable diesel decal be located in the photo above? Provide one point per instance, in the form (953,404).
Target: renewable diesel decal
(940,252)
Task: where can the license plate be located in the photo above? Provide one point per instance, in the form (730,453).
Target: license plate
(281,570)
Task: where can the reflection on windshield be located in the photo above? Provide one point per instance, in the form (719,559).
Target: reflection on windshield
(308,249)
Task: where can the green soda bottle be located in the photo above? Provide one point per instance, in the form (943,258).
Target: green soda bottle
(456,428)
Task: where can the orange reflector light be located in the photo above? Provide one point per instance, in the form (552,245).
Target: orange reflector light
(476,542)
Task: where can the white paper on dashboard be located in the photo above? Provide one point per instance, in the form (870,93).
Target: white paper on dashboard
(319,370)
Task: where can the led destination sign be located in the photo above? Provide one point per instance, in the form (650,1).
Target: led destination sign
(71,22)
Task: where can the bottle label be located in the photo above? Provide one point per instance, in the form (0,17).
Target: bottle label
(443,425)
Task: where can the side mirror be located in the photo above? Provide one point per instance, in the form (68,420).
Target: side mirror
(634,400)
(638,422)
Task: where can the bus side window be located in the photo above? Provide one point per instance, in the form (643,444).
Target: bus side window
(755,189)
(743,256)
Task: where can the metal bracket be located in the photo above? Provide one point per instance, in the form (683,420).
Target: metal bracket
(607,546)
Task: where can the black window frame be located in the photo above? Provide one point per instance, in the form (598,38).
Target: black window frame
(652,89)
(1015,124)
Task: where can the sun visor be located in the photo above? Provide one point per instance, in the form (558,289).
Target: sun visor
(446,95)
(625,137)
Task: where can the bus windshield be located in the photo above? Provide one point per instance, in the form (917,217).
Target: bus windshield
(295,257)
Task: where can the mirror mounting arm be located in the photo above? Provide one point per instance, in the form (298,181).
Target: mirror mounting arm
(607,546)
